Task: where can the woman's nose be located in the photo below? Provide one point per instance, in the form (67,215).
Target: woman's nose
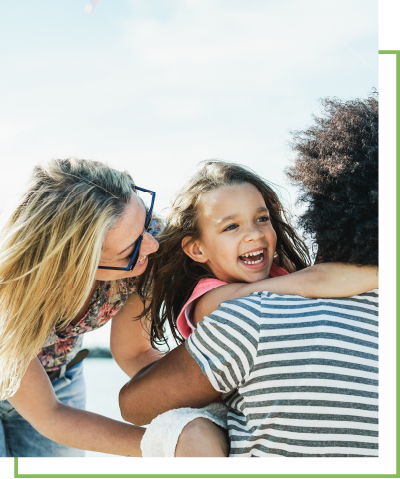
(149,244)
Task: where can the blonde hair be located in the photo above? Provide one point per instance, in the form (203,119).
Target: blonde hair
(50,248)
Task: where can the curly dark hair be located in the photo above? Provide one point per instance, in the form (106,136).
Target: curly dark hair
(336,168)
(171,275)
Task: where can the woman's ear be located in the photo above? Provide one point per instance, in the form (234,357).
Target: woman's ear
(193,250)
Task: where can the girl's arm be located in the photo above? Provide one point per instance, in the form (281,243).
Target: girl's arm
(36,402)
(130,345)
(324,280)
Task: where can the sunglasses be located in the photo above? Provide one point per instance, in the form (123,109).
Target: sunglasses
(135,255)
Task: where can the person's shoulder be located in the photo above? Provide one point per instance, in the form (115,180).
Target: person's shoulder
(374,293)
(269,296)
(236,323)
(207,284)
(260,296)
(239,312)
(255,303)
(204,298)
(369,299)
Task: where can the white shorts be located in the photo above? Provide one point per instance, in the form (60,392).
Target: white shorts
(162,434)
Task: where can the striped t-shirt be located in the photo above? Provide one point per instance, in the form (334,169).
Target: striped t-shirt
(300,376)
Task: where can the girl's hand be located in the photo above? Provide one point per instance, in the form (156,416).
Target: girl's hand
(324,280)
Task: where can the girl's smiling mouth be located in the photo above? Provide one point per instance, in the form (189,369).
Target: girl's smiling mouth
(255,258)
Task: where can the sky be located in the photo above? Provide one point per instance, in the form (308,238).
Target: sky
(156,86)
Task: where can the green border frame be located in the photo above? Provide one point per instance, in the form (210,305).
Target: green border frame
(396,475)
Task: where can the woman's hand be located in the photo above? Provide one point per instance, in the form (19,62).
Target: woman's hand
(36,402)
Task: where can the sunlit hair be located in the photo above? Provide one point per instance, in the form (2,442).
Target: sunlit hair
(50,248)
(171,275)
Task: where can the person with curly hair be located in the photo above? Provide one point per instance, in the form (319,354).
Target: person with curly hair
(299,375)
(337,171)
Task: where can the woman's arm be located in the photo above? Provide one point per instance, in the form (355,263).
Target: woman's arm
(130,344)
(324,280)
(36,402)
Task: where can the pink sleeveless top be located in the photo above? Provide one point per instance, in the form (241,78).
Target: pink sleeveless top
(183,322)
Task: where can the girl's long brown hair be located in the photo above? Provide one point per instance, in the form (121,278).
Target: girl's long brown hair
(171,275)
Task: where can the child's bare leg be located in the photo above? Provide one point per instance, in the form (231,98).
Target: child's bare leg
(202,438)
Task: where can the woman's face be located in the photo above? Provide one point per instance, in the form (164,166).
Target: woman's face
(120,242)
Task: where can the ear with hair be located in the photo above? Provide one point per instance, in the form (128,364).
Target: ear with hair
(193,250)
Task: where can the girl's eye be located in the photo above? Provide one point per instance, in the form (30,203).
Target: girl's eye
(263,219)
(230,227)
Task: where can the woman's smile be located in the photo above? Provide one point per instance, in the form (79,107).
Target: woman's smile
(141,265)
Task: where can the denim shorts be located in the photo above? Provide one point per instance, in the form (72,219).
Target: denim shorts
(19,439)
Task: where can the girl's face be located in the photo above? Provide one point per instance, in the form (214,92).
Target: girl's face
(238,240)
(120,241)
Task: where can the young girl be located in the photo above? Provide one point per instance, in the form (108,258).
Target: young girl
(227,232)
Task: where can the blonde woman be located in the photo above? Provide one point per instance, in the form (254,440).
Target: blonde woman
(69,256)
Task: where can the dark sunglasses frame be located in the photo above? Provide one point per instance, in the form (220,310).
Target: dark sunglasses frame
(135,255)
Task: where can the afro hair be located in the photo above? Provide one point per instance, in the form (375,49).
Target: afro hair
(336,169)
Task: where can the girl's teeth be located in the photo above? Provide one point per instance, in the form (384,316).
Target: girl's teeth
(256,261)
(252,262)
(255,253)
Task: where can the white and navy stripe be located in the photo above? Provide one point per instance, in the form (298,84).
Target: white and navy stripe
(300,376)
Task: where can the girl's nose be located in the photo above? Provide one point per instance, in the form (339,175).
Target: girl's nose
(254,233)
(149,244)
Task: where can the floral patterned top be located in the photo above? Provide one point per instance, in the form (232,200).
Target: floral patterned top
(62,346)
